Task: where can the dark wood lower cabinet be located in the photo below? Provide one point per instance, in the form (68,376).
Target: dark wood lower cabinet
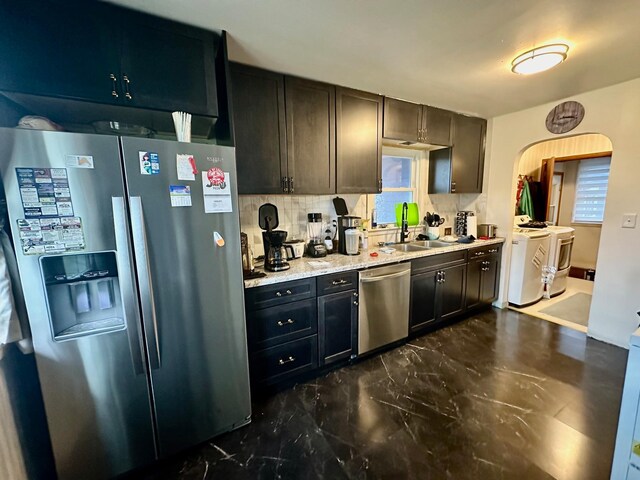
(337,326)
(436,295)
(483,275)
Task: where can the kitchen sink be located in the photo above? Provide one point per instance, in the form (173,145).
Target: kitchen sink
(431,244)
(408,247)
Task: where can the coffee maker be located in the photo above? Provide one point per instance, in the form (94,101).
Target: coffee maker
(275,251)
(346,222)
(275,254)
(316,247)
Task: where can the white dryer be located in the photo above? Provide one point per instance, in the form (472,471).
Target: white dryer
(529,253)
(561,244)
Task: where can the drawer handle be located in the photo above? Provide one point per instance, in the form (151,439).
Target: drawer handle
(284,361)
(289,321)
(278,294)
(356,303)
(342,281)
(478,253)
(493,250)
(288,292)
(355,294)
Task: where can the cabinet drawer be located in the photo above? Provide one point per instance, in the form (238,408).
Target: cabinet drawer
(286,292)
(486,250)
(280,324)
(337,282)
(276,364)
(438,261)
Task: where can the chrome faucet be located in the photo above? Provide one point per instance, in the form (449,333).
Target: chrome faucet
(404,229)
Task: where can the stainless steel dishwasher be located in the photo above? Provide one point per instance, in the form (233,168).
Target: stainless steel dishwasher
(383,310)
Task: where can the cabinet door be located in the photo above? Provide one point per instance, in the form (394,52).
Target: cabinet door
(258,110)
(60,49)
(436,125)
(311,152)
(402,120)
(474,282)
(337,326)
(467,154)
(358,141)
(167,66)
(451,298)
(423,300)
(490,279)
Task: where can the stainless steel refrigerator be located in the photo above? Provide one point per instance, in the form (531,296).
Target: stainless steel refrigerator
(129,257)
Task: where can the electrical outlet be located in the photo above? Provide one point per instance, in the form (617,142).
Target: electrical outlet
(629,220)
(447,230)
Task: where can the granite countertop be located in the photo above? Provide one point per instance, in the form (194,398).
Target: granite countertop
(300,267)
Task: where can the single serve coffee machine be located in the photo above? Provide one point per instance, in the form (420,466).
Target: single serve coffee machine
(345,223)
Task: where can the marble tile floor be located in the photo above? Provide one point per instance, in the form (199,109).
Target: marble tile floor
(500,395)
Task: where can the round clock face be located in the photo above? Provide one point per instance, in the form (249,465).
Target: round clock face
(565,117)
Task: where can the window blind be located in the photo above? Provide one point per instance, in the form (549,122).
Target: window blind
(591,190)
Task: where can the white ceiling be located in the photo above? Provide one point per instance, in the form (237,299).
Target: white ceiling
(454,54)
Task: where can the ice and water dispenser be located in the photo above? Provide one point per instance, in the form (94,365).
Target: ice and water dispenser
(83,294)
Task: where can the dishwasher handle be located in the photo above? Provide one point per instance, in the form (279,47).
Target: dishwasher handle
(384,277)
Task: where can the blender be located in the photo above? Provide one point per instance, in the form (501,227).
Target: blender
(316,247)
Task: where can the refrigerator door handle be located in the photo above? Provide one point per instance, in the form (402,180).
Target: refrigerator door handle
(140,252)
(126,282)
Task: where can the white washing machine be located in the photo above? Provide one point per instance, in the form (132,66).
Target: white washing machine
(529,253)
(560,247)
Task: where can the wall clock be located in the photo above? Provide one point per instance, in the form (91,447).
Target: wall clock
(565,117)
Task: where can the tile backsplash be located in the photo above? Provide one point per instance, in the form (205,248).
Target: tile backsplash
(293,209)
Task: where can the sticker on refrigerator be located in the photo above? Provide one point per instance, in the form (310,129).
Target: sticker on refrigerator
(50,235)
(186,167)
(180,195)
(217,191)
(45,192)
(149,163)
(78,161)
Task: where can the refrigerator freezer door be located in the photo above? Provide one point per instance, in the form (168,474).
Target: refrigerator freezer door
(81,301)
(191,287)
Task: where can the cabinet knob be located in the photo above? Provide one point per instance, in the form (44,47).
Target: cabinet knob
(356,303)
(285,185)
(278,294)
(355,294)
(380,185)
(290,359)
(291,189)
(453,187)
(288,292)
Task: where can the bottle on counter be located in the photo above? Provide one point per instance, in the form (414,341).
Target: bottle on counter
(374,222)
(365,239)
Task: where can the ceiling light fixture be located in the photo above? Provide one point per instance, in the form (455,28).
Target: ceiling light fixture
(539,59)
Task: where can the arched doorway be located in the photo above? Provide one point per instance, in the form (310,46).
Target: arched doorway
(561,182)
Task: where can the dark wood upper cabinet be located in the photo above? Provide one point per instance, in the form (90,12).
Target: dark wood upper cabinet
(468,153)
(311,145)
(459,169)
(102,53)
(436,126)
(260,132)
(167,65)
(358,141)
(402,120)
(54,48)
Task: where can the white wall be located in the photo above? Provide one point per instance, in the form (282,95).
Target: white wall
(615,112)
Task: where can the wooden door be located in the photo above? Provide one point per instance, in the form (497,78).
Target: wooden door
(358,141)
(474,282)
(402,120)
(259,124)
(310,120)
(490,277)
(546,180)
(436,125)
(168,66)
(467,154)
